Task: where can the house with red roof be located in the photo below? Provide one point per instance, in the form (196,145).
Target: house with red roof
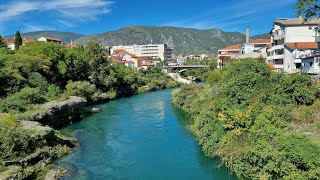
(230,52)
(50,39)
(10,43)
(120,56)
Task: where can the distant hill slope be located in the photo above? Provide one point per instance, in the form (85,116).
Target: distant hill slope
(262,36)
(64,36)
(182,40)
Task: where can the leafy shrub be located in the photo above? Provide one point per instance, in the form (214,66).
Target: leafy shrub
(20,100)
(53,92)
(36,80)
(81,89)
(112,94)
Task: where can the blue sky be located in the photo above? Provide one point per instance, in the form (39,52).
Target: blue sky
(97,16)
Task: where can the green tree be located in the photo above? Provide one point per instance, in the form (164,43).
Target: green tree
(2,43)
(308,8)
(17,40)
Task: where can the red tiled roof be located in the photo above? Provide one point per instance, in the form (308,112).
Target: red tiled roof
(119,61)
(143,58)
(121,52)
(71,46)
(229,54)
(302,45)
(24,40)
(260,41)
(271,66)
(148,64)
(53,39)
(233,47)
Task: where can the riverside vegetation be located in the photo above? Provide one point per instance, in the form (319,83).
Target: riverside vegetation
(40,79)
(262,124)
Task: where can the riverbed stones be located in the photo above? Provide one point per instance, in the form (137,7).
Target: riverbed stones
(95,110)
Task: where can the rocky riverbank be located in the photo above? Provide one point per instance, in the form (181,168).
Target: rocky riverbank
(47,143)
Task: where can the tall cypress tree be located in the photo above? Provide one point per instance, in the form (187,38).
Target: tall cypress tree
(2,43)
(17,40)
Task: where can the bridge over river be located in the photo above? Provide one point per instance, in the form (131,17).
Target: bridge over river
(183,67)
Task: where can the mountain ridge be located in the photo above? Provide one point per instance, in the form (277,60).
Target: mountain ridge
(182,40)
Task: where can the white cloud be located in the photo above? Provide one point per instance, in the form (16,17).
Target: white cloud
(232,13)
(34,27)
(64,11)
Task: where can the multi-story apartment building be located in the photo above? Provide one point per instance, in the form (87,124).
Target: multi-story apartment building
(292,42)
(161,51)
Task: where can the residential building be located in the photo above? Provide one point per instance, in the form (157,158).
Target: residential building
(10,43)
(255,49)
(71,46)
(121,56)
(230,52)
(256,45)
(161,51)
(310,57)
(50,39)
(292,41)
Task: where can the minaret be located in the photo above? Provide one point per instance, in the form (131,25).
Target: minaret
(247,35)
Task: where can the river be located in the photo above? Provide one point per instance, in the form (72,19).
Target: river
(140,137)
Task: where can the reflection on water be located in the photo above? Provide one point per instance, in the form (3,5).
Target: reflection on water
(142,137)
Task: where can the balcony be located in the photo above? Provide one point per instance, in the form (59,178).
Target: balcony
(276,47)
(297,61)
(318,39)
(310,71)
(281,56)
(304,54)
(278,37)
(278,66)
(278,34)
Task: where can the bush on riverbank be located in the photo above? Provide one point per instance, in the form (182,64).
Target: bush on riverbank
(245,115)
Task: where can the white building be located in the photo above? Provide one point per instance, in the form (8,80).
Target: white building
(151,50)
(10,43)
(292,41)
(256,45)
(50,39)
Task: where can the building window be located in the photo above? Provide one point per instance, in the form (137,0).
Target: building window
(311,64)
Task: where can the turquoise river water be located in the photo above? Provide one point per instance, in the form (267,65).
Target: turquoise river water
(141,137)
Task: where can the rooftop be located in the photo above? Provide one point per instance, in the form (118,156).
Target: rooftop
(53,39)
(122,52)
(230,54)
(296,21)
(232,47)
(260,41)
(302,45)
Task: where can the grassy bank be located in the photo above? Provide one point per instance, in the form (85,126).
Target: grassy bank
(263,125)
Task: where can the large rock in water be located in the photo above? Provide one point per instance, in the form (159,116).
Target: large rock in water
(58,113)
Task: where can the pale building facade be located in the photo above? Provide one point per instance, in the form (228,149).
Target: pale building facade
(50,39)
(292,41)
(161,51)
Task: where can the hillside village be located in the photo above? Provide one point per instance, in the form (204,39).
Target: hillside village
(292,48)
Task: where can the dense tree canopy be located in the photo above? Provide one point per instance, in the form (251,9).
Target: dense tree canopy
(308,8)
(2,43)
(17,40)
